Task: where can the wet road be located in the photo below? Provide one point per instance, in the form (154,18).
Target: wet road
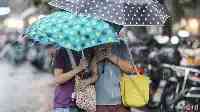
(23,89)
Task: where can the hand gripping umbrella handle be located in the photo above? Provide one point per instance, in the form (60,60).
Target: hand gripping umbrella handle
(87,71)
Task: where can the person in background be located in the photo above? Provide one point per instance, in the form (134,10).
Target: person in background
(192,55)
(112,62)
(5,50)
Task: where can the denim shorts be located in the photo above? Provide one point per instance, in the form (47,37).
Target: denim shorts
(66,110)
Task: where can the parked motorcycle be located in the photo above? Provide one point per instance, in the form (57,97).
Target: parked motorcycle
(160,75)
(184,93)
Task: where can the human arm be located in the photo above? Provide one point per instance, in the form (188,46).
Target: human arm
(63,69)
(61,77)
(123,64)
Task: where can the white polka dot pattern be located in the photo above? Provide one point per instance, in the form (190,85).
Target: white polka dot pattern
(122,12)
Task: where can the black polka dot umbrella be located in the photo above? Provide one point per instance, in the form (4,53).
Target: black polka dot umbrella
(121,12)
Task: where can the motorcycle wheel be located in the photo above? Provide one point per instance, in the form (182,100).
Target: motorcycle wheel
(168,98)
(179,106)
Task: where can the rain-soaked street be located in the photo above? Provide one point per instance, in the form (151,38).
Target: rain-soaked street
(23,89)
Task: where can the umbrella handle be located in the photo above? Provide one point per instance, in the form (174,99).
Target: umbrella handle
(83,54)
(71,57)
(87,70)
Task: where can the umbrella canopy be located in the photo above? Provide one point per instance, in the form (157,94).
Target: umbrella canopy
(71,31)
(121,12)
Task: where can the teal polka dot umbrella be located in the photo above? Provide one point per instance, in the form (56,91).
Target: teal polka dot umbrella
(71,31)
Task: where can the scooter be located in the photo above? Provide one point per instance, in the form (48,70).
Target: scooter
(182,94)
(162,76)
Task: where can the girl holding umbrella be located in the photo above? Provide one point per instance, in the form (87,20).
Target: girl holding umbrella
(64,77)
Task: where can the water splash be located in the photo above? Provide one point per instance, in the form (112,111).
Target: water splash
(23,89)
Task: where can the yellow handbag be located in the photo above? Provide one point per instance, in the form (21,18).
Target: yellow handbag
(135,90)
